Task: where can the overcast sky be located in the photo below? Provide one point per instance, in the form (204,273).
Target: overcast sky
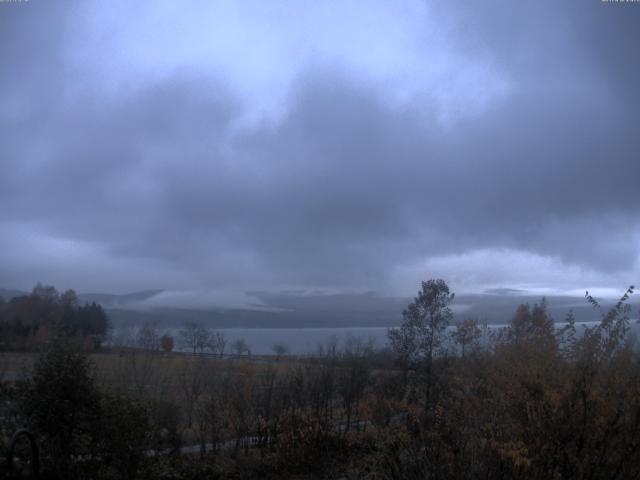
(335,146)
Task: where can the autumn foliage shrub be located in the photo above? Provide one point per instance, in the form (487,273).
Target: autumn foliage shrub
(305,444)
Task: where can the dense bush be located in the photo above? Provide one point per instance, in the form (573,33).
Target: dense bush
(82,431)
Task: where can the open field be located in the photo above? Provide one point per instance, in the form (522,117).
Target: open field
(110,364)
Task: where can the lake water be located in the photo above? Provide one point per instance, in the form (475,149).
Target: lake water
(299,341)
(302,341)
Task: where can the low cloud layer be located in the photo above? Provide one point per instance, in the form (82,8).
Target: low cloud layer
(349,147)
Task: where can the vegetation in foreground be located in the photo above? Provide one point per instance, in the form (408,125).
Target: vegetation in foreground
(528,402)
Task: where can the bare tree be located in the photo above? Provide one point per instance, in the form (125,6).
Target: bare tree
(217,343)
(192,380)
(320,385)
(280,349)
(240,346)
(353,376)
(147,337)
(467,334)
(194,337)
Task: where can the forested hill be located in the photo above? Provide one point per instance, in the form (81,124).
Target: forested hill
(35,320)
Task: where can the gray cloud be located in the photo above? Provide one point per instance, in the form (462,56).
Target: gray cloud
(161,181)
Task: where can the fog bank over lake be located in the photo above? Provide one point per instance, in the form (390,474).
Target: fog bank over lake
(303,321)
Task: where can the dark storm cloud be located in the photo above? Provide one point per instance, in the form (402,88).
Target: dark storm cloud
(347,186)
